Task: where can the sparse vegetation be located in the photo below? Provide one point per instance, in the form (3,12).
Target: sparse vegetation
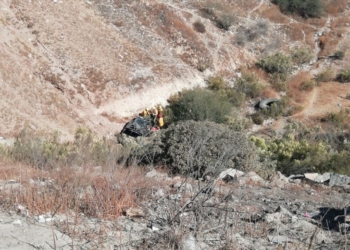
(199,27)
(249,84)
(326,75)
(304,8)
(339,55)
(225,20)
(216,83)
(343,76)
(276,63)
(302,55)
(216,12)
(307,85)
(259,28)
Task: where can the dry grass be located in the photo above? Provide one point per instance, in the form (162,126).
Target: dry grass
(340,22)
(101,194)
(336,6)
(329,42)
(273,14)
(295,85)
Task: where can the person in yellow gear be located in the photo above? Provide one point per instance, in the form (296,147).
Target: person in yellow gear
(154,114)
(160,120)
(160,109)
(144,112)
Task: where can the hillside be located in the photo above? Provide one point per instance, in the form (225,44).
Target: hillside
(97,63)
(224,173)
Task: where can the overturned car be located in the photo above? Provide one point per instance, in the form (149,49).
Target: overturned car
(138,126)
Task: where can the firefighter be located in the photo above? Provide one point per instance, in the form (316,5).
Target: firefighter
(160,120)
(144,112)
(160,110)
(154,116)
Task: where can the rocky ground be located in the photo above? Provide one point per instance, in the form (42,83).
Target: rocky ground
(235,211)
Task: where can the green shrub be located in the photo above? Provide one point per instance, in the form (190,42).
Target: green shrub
(47,151)
(224,21)
(337,119)
(344,76)
(277,109)
(200,105)
(307,85)
(276,63)
(235,96)
(278,81)
(326,75)
(249,85)
(258,118)
(304,8)
(339,55)
(302,55)
(196,148)
(216,83)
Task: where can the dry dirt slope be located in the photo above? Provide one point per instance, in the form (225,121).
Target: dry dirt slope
(68,63)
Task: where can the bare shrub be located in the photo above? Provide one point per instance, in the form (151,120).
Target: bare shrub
(326,75)
(259,28)
(225,20)
(199,27)
(196,148)
(302,55)
(343,76)
(307,85)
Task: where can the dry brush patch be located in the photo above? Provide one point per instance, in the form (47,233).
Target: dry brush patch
(273,14)
(336,6)
(83,190)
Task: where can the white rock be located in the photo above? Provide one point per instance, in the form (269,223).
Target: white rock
(17,223)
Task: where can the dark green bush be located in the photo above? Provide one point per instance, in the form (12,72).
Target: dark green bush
(199,27)
(276,63)
(200,105)
(195,148)
(304,8)
(277,109)
(224,21)
(257,118)
(339,55)
(344,76)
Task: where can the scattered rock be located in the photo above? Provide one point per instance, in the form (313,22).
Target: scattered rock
(279,239)
(134,212)
(339,180)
